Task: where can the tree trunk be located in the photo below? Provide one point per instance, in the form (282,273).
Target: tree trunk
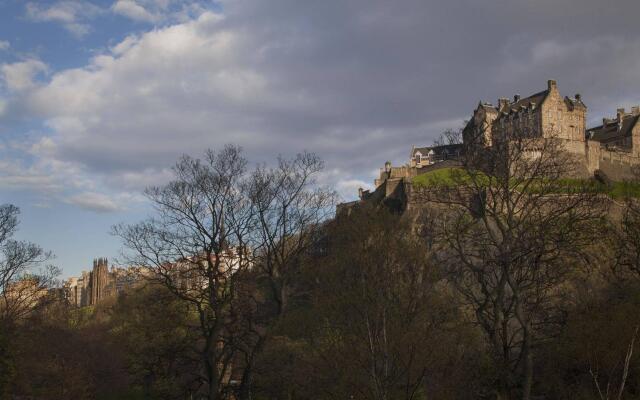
(246,385)
(528,368)
(212,377)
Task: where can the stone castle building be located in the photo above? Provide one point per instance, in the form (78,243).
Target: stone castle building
(543,114)
(610,151)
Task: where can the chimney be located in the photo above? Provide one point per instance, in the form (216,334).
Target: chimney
(620,114)
(551,84)
(635,110)
(516,98)
(360,193)
(503,102)
(578,97)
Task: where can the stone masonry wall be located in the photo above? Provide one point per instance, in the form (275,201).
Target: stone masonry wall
(558,119)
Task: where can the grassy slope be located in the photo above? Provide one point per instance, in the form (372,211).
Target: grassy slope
(445,177)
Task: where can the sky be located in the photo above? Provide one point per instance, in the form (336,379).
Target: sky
(98,99)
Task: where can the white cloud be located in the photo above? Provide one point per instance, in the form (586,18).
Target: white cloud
(159,11)
(16,175)
(93,201)
(4,45)
(73,15)
(348,188)
(131,9)
(21,75)
(55,180)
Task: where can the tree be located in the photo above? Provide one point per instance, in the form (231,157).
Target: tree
(512,231)
(155,330)
(196,248)
(381,318)
(22,286)
(449,137)
(60,360)
(627,243)
(289,209)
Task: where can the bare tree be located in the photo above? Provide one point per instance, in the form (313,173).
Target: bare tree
(229,242)
(196,246)
(607,392)
(512,231)
(289,208)
(627,243)
(22,285)
(449,137)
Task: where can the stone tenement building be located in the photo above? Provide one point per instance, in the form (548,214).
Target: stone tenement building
(98,284)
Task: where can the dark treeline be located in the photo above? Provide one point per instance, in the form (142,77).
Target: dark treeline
(511,282)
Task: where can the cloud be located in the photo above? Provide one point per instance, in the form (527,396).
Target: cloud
(92,201)
(131,9)
(28,167)
(73,15)
(348,188)
(16,175)
(21,75)
(4,45)
(358,82)
(159,11)
(604,65)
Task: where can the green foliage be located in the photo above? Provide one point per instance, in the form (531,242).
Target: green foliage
(620,190)
(155,330)
(443,177)
(7,363)
(454,177)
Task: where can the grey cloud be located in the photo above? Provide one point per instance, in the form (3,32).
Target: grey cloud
(358,81)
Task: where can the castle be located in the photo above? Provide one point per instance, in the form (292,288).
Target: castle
(100,283)
(610,151)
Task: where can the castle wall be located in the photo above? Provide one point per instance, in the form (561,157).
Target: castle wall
(392,185)
(395,173)
(635,140)
(593,155)
(617,165)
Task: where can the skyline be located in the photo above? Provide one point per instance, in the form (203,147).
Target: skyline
(99,98)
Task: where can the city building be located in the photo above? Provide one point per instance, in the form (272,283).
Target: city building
(100,283)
